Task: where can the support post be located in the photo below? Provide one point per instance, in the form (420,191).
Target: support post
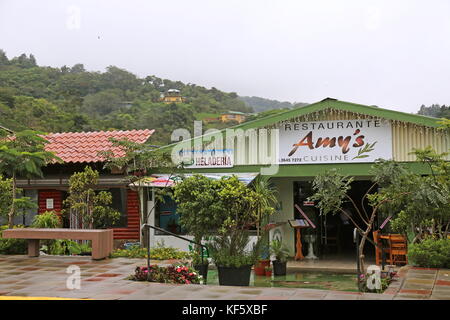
(33,247)
(148,251)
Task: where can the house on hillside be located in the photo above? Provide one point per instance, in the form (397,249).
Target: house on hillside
(172,96)
(233,116)
(78,150)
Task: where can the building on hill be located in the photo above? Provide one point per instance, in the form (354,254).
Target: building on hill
(78,150)
(233,116)
(172,96)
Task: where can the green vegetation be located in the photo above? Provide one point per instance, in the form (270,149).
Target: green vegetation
(73,99)
(89,207)
(435,110)
(12,246)
(230,251)
(24,156)
(419,205)
(66,248)
(422,202)
(262,104)
(430,253)
(48,219)
(200,212)
(279,250)
(158,253)
(226,208)
(172,274)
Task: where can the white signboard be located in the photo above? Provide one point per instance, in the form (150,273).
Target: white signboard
(49,203)
(337,141)
(211,158)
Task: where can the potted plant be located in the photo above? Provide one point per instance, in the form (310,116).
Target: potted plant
(200,214)
(264,258)
(234,263)
(268,271)
(260,266)
(265,202)
(226,209)
(281,253)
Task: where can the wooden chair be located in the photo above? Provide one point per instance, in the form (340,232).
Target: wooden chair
(398,249)
(378,253)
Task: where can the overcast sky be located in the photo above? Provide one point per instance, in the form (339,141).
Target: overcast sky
(394,54)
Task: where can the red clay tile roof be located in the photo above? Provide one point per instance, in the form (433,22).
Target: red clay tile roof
(84,146)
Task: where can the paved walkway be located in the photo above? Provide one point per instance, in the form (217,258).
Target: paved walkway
(46,276)
(421,283)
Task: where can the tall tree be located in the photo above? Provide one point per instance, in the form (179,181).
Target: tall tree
(3,58)
(22,155)
(86,207)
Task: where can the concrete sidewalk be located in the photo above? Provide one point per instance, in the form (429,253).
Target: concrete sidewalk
(46,276)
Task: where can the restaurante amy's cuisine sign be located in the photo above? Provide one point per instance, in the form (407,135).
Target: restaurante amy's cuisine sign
(337,141)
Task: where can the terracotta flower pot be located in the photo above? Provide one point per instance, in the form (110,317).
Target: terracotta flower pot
(260,267)
(268,273)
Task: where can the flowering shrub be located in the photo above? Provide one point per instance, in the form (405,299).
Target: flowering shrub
(171,274)
(386,279)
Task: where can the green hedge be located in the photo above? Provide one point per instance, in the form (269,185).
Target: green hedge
(158,253)
(430,253)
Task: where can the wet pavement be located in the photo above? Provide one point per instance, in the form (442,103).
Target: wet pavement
(47,276)
(421,283)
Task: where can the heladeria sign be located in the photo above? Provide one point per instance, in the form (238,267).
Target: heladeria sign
(338,141)
(211,158)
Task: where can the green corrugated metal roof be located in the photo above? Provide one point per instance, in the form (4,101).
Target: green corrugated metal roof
(330,103)
(345,106)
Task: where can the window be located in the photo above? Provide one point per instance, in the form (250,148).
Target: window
(26,217)
(167,218)
(119,203)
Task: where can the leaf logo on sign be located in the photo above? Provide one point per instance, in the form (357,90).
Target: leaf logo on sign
(366,149)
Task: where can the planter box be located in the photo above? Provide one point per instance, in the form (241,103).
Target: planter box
(231,276)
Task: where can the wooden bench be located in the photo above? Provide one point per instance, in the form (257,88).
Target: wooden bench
(102,239)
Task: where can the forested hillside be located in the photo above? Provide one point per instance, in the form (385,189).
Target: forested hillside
(54,99)
(74,99)
(435,110)
(261,104)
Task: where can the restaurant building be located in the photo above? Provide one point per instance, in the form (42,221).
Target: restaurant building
(292,147)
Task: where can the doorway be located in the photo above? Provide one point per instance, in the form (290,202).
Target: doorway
(333,235)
